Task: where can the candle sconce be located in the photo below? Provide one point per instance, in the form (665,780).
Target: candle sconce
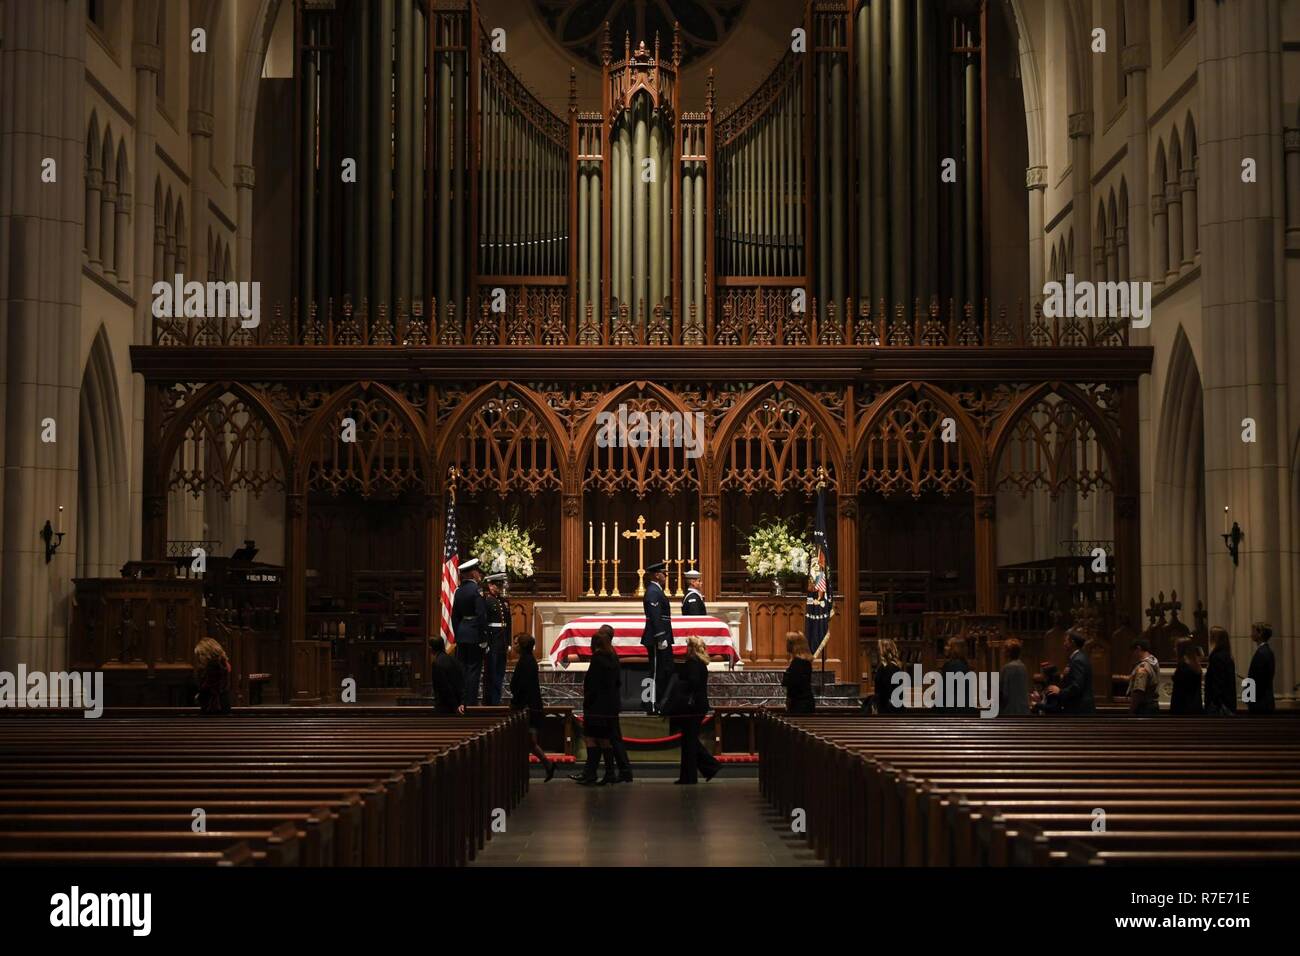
(1233,540)
(52,540)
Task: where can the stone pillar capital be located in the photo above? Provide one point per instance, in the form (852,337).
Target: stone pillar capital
(94,178)
(245,176)
(1171,192)
(1080,125)
(201,123)
(1187,180)
(1291,140)
(1157,204)
(1036,177)
(146,56)
(1135,58)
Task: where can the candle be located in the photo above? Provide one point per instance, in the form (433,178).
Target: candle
(666,523)
(60,527)
(692,540)
(590,550)
(602,541)
(615,540)
(1225,519)
(679,541)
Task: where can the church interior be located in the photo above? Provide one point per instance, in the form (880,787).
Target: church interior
(892,327)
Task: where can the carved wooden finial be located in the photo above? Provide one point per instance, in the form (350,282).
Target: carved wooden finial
(606,50)
(627,45)
(573,89)
(656,46)
(708,93)
(677,43)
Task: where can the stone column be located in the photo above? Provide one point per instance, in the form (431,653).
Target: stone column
(1174,206)
(43,61)
(245,181)
(1121,252)
(1291,143)
(1187,190)
(1081,162)
(1136,60)
(986,553)
(108,226)
(1245,317)
(201,122)
(1160,228)
(94,199)
(1036,183)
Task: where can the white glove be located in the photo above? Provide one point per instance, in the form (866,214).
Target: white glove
(663,645)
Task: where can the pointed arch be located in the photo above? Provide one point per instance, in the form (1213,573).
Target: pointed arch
(1179,540)
(364,391)
(826,427)
(103,498)
(1106,437)
(473,402)
(1123,201)
(1161,173)
(1175,155)
(585,435)
(873,422)
(196,404)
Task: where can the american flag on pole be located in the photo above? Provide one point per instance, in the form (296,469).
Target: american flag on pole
(450,567)
(817,613)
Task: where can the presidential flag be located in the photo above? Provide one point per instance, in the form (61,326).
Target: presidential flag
(817,616)
(450,567)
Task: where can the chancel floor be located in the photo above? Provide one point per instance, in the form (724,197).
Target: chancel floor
(650,822)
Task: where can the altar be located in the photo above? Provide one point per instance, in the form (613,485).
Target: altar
(725,630)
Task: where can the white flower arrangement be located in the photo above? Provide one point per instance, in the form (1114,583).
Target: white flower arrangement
(507,547)
(774,550)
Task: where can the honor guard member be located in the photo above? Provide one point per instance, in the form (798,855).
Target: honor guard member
(498,641)
(469,622)
(657,639)
(693,603)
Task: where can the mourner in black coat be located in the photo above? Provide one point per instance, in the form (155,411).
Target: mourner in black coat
(1186,692)
(797,679)
(882,679)
(526,694)
(657,638)
(689,705)
(447,678)
(693,603)
(469,622)
(602,699)
(1220,675)
(1075,691)
(1261,671)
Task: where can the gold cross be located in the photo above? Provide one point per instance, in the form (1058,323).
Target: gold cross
(640,534)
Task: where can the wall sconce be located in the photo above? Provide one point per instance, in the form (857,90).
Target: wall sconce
(1233,537)
(52,538)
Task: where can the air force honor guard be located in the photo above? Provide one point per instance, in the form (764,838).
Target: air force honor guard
(657,639)
(469,622)
(498,639)
(693,603)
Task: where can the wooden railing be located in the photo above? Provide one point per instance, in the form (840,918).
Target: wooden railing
(532,311)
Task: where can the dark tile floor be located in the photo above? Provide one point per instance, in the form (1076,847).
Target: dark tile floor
(647,823)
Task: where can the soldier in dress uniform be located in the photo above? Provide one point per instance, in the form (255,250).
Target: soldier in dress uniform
(693,603)
(498,642)
(469,622)
(657,639)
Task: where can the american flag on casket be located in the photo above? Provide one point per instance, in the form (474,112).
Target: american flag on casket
(574,639)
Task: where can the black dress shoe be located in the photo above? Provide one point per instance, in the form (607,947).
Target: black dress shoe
(550,771)
(581,777)
(586,781)
(608,780)
(625,776)
(709,776)
(687,783)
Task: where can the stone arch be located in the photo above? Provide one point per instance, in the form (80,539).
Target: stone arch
(969,435)
(103,499)
(1179,533)
(1160,172)
(1031,84)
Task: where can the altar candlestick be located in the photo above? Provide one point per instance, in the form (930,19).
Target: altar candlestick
(589,538)
(615,541)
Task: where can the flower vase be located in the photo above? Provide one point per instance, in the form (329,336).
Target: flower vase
(777,588)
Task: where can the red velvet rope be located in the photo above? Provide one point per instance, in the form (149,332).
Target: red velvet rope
(671,738)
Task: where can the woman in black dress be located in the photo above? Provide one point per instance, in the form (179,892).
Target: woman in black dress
(797,679)
(882,678)
(1220,676)
(689,704)
(601,701)
(1186,697)
(212,670)
(526,693)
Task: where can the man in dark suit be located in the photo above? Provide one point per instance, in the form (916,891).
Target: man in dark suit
(1075,692)
(469,623)
(498,639)
(1261,670)
(693,603)
(657,638)
(448,679)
